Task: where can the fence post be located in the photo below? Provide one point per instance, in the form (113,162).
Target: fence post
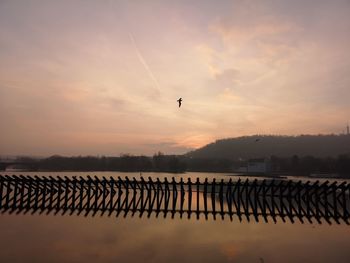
(174,196)
(182,197)
(205,198)
(221,198)
(189,184)
(197,210)
(213,190)
(229,197)
(1,190)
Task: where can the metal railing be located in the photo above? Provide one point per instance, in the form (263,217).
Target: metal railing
(249,199)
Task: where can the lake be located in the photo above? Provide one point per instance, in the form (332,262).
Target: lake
(72,238)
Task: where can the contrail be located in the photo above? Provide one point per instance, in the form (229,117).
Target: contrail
(144,63)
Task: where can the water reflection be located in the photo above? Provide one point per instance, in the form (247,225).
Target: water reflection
(37,238)
(105,239)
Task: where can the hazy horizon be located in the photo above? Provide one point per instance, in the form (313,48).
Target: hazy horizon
(254,137)
(103,77)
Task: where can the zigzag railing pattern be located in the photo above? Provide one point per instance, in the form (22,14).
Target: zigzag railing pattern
(257,199)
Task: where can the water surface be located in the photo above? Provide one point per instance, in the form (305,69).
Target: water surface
(72,238)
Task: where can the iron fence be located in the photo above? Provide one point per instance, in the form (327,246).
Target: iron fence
(249,199)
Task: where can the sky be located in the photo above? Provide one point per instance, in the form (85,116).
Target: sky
(102,77)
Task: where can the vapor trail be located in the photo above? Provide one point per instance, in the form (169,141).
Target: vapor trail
(144,63)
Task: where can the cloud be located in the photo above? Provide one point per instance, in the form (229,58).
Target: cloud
(259,37)
(255,29)
(227,76)
(167,148)
(229,95)
(81,84)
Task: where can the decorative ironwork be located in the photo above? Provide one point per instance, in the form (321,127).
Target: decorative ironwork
(249,199)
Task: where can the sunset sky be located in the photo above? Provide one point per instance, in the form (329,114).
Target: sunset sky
(103,77)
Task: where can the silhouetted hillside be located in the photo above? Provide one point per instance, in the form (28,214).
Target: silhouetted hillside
(282,146)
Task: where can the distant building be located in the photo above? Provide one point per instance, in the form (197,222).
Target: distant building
(255,166)
(241,169)
(259,166)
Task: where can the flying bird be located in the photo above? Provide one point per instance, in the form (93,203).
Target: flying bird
(179,101)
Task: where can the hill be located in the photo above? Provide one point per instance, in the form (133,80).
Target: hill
(257,146)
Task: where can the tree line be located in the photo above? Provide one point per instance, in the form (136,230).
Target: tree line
(124,163)
(293,165)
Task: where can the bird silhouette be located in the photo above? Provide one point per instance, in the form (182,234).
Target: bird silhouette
(179,101)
